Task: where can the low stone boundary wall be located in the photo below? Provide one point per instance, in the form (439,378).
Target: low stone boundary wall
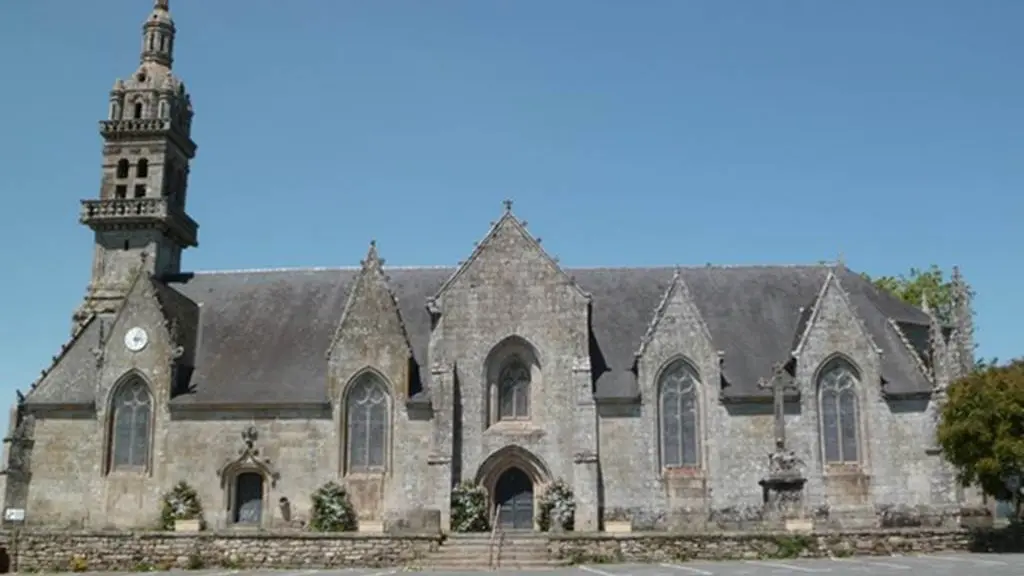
(652,547)
(54,551)
(39,550)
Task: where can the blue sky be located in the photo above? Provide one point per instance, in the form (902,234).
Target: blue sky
(655,132)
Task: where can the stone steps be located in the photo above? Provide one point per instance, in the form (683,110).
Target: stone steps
(477,551)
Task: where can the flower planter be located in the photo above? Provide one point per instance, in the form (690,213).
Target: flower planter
(186,525)
(618,526)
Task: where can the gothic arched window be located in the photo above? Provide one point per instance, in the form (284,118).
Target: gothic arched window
(837,394)
(514,391)
(122,168)
(366,410)
(131,421)
(679,414)
(142,168)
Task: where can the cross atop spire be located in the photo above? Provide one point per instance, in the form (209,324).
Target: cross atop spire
(508,205)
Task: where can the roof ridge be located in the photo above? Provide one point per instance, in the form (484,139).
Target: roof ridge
(306,269)
(226,272)
(694,266)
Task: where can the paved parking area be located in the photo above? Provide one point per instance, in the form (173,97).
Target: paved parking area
(937,565)
(933,565)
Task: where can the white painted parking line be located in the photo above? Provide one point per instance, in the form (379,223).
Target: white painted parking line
(599,572)
(787,566)
(967,560)
(872,563)
(222,573)
(382,573)
(689,569)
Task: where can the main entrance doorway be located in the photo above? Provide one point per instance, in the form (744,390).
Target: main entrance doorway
(513,494)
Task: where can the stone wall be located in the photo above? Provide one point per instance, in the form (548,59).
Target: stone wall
(665,547)
(50,551)
(54,551)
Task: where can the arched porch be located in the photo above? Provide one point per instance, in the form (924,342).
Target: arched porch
(514,478)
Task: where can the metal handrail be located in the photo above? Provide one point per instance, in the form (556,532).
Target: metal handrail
(494,531)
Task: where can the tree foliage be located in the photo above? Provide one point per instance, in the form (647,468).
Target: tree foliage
(981,430)
(912,287)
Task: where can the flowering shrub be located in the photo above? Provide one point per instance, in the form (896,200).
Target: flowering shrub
(557,508)
(469,508)
(181,503)
(332,510)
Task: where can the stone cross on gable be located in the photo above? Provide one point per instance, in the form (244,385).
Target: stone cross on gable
(779,383)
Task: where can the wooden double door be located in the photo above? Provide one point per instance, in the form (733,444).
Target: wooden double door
(513,495)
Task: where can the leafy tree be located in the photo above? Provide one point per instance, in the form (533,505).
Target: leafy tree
(981,430)
(912,287)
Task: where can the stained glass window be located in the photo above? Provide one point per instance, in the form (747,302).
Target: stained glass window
(131,423)
(514,391)
(837,387)
(367,417)
(677,389)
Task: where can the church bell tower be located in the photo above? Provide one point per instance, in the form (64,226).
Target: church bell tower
(139,218)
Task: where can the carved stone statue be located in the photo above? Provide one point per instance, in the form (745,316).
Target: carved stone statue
(783,462)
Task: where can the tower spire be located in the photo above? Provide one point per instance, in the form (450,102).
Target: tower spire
(158,36)
(147,151)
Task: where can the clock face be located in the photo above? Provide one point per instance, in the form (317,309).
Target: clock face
(136,339)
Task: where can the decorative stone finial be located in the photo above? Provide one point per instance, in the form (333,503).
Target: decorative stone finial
(373,259)
(161,5)
(508,205)
(249,436)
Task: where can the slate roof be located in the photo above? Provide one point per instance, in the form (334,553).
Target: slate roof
(71,379)
(263,335)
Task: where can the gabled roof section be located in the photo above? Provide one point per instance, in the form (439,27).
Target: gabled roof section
(70,379)
(879,316)
(371,270)
(678,286)
(508,219)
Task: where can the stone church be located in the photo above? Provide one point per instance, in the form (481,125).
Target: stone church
(653,392)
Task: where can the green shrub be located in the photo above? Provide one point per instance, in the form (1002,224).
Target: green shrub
(469,508)
(557,508)
(181,503)
(332,510)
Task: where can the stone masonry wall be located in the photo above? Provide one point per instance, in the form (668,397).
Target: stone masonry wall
(49,551)
(652,547)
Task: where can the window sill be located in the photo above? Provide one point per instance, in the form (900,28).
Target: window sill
(518,427)
(844,470)
(366,474)
(128,473)
(683,472)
